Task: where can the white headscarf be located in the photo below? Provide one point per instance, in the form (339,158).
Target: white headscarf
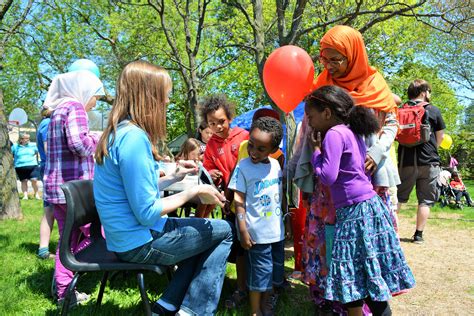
(79,86)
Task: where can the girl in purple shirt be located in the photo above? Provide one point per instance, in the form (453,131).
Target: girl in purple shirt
(367,261)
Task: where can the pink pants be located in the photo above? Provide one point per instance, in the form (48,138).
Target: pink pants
(78,241)
(298,220)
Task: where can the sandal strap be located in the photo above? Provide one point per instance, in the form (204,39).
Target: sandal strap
(236,299)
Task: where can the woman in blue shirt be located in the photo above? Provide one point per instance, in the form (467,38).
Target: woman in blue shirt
(25,157)
(127,193)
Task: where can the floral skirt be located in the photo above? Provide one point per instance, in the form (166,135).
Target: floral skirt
(367,259)
(314,261)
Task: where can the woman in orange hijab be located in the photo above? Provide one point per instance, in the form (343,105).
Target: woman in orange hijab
(346,65)
(345,61)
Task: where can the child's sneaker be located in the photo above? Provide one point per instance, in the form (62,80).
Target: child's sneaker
(295,276)
(25,196)
(158,310)
(77,298)
(273,300)
(417,239)
(43,253)
(37,196)
(268,309)
(236,299)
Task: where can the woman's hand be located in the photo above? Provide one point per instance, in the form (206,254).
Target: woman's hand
(227,210)
(245,240)
(370,165)
(184,168)
(315,140)
(209,195)
(215,174)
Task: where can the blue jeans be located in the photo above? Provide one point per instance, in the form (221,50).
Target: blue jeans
(42,166)
(265,266)
(200,248)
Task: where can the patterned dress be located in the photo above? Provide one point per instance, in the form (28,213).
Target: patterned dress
(367,258)
(315,269)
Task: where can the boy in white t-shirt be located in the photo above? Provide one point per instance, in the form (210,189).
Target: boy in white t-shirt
(257,182)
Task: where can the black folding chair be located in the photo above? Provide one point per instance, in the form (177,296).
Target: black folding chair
(81,210)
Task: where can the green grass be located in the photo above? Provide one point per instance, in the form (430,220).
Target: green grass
(471,290)
(448,216)
(25,280)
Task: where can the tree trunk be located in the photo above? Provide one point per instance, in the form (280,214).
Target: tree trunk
(9,200)
(192,113)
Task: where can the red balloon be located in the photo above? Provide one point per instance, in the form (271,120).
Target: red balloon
(288,76)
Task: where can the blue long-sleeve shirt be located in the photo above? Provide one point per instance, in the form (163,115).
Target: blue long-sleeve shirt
(126,190)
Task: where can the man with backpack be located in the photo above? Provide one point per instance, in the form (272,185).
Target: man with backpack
(421,132)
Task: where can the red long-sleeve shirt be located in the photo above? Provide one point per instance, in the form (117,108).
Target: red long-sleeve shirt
(221,154)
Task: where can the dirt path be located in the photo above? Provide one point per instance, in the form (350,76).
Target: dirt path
(444,271)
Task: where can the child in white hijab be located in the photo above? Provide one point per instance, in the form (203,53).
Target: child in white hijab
(79,86)
(71,147)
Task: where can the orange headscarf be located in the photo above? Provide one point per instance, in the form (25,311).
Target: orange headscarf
(363,82)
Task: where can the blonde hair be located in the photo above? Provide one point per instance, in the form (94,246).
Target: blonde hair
(188,146)
(46,112)
(141,96)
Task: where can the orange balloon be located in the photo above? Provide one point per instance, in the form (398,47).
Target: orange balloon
(288,76)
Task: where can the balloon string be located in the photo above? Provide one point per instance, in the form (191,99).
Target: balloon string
(287,189)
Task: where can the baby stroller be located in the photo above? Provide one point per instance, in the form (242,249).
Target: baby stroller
(446,192)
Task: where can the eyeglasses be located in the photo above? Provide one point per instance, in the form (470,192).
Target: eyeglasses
(333,62)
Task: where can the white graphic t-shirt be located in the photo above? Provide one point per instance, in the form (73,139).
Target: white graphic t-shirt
(262,185)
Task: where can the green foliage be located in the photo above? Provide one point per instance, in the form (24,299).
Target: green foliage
(463,151)
(18,76)
(28,280)
(442,95)
(229,59)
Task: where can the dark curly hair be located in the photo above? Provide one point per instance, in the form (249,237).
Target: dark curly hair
(213,103)
(269,125)
(361,120)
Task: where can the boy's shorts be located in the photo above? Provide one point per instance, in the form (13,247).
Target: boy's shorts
(425,178)
(265,266)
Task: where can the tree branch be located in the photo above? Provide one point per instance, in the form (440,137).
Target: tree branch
(87,20)
(236,4)
(160,9)
(4,9)
(291,37)
(16,25)
(354,15)
(390,14)
(217,68)
(200,27)
(281,6)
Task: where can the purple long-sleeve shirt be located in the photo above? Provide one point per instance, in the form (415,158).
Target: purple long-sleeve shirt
(70,150)
(340,166)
